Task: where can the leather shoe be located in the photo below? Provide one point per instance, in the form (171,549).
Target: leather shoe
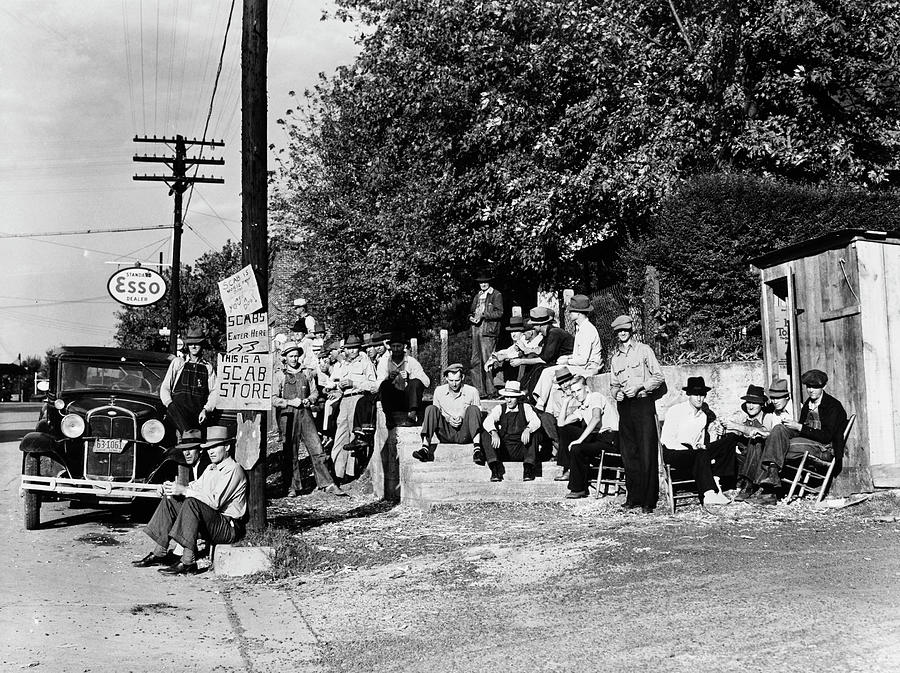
(423,455)
(478,456)
(628,505)
(181,569)
(574,495)
(765,498)
(647,510)
(496,473)
(527,472)
(152,560)
(562,477)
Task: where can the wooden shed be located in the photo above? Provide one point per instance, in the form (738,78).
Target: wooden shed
(833,303)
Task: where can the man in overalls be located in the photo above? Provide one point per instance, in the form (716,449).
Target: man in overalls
(513,428)
(187,388)
(293,394)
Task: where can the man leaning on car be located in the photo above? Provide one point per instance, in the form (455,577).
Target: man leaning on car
(212,507)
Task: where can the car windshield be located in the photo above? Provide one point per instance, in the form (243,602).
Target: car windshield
(125,376)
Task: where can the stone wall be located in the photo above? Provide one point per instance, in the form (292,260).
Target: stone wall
(728,380)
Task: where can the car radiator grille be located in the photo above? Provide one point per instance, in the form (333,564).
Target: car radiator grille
(110,466)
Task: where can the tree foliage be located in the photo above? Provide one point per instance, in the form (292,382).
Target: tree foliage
(516,132)
(201,305)
(709,230)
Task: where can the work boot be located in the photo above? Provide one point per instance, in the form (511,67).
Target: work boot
(563,476)
(745,490)
(478,456)
(765,497)
(424,455)
(496,471)
(772,475)
(527,472)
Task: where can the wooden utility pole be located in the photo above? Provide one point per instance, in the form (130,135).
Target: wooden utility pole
(254,226)
(178,183)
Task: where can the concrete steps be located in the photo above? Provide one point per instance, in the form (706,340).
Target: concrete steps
(454,479)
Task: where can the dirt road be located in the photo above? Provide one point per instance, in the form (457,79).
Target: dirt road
(568,587)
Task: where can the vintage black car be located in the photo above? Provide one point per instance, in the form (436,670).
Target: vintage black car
(101,436)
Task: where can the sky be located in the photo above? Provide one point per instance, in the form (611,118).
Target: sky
(78,80)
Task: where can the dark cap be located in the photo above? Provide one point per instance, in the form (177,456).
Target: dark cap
(814,378)
(455,367)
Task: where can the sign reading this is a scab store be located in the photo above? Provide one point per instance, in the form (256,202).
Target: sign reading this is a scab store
(136,286)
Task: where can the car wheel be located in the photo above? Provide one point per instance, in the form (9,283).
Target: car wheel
(32,498)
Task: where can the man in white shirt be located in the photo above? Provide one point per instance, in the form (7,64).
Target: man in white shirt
(684,439)
(305,323)
(526,342)
(590,426)
(513,427)
(352,382)
(212,507)
(401,383)
(453,417)
(586,358)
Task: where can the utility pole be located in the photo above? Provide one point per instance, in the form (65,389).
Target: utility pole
(254,226)
(178,183)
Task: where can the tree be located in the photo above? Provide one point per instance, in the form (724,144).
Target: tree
(201,306)
(516,132)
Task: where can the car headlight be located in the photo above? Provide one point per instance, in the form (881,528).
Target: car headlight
(153,431)
(72,426)
(59,404)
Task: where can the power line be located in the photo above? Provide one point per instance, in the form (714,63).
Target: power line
(156,69)
(128,63)
(143,97)
(215,214)
(154,227)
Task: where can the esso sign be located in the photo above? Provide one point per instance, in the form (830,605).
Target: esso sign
(136,286)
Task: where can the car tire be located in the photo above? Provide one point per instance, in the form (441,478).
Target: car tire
(32,498)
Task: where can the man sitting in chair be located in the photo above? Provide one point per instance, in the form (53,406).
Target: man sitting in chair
(750,426)
(212,507)
(820,431)
(684,440)
(513,427)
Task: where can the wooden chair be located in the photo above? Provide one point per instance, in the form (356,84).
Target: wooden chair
(816,469)
(670,484)
(610,474)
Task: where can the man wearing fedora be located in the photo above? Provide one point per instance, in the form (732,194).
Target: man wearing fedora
(779,404)
(484,316)
(294,395)
(526,342)
(685,441)
(453,417)
(556,343)
(636,380)
(187,452)
(305,323)
(352,379)
(512,426)
(585,360)
(820,431)
(401,383)
(188,388)
(212,507)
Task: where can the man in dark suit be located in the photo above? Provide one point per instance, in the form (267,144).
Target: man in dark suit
(484,316)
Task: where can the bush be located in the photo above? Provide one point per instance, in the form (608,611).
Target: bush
(705,236)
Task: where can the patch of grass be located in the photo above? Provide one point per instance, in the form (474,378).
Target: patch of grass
(882,503)
(293,555)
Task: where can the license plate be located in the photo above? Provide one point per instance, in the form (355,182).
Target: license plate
(109,446)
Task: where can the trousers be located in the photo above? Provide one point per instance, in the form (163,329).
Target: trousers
(300,430)
(639,444)
(434,424)
(582,455)
(568,434)
(189,519)
(482,347)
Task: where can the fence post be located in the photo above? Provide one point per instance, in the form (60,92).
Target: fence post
(650,303)
(414,347)
(445,350)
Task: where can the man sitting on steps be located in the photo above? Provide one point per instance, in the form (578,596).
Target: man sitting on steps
(513,427)
(454,417)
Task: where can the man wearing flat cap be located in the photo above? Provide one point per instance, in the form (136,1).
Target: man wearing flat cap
(557,343)
(453,417)
(295,395)
(188,388)
(212,507)
(635,382)
(585,360)
(484,317)
(820,431)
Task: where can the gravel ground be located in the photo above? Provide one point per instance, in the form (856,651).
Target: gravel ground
(581,586)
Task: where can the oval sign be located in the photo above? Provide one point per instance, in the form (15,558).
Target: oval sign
(136,286)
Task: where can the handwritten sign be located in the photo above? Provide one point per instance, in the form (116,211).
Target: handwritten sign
(240,293)
(247,333)
(244,382)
